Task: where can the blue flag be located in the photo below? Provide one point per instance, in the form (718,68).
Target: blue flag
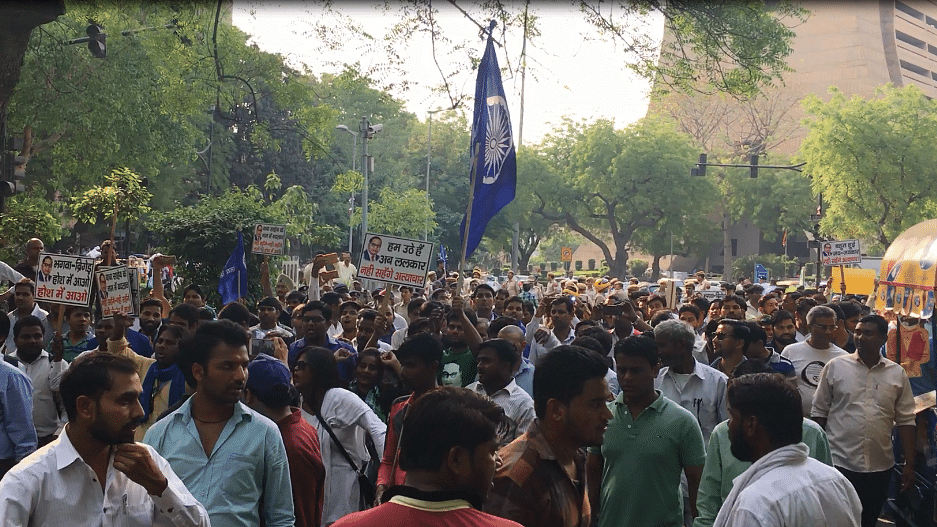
(493,158)
(232,283)
(442,253)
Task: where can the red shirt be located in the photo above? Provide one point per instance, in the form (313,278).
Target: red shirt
(402,511)
(389,474)
(307,473)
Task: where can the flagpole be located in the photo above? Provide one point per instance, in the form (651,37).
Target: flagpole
(476,148)
(468,213)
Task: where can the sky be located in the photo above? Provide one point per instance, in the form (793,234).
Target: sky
(567,74)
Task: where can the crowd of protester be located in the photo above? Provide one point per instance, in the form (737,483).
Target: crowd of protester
(564,402)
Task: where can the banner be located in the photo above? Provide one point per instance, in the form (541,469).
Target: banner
(114,292)
(232,283)
(841,252)
(269,240)
(64,279)
(858,281)
(399,261)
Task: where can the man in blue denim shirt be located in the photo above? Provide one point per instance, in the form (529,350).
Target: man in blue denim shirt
(231,458)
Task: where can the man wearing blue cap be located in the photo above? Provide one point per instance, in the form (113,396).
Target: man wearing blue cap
(268,393)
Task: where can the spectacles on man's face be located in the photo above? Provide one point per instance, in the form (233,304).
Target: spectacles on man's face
(313,320)
(825,327)
(721,336)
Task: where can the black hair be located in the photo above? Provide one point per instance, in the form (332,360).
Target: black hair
(205,314)
(198,347)
(415,305)
(849,309)
(740,300)
(235,312)
(756,332)
(367,314)
(512,299)
(740,331)
(603,337)
(689,308)
(504,349)
(297,296)
(270,301)
(149,302)
(485,286)
(91,375)
(419,325)
(563,373)
(193,287)
(178,331)
(773,401)
(589,343)
(454,315)
(701,303)
(331,298)
(445,418)
(426,310)
(565,300)
(836,309)
(780,316)
(324,367)
(424,346)
(639,346)
(27,322)
(879,321)
(751,367)
(87,309)
(318,305)
(588,323)
(26,282)
(529,307)
(805,304)
(498,324)
(186,312)
(662,300)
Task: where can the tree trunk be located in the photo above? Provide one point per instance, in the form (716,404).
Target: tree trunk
(726,248)
(655,267)
(618,268)
(17,21)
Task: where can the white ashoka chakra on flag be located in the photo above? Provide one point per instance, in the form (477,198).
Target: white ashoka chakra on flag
(498,142)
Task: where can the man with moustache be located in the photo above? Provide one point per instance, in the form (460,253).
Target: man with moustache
(650,441)
(783,486)
(230,457)
(784,330)
(94,474)
(44,371)
(541,482)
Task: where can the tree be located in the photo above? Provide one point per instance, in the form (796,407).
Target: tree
(27,217)
(17,21)
(202,237)
(874,161)
(619,181)
(124,198)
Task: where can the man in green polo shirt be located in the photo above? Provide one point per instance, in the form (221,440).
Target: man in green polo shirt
(649,441)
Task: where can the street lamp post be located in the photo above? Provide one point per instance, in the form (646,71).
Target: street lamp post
(367,131)
(351,200)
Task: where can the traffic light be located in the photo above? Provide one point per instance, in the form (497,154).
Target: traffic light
(14,170)
(700,169)
(97,45)
(753,167)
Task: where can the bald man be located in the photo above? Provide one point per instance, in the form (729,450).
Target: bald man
(523,370)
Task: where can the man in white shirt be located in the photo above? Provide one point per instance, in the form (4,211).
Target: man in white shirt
(346,270)
(496,359)
(95,474)
(44,371)
(24,295)
(810,356)
(697,387)
(783,486)
(511,285)
(268,311)
(860,399)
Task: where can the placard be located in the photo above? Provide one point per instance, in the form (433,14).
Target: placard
(114,292)
(269,240)
(135,290)
(841,252)
(566,254)
(399,261)
(858,281)
(64,279)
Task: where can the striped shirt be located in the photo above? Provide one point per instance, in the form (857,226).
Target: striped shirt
(517,404)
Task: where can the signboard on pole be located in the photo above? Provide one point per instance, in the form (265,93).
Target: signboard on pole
(566,254)
(393,260)
(761,273)
(64,279)
(114,291)
(269,240)
(840,252)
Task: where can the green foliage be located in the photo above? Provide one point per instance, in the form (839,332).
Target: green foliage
(124,198)
(874,161)
(203,237)
(27,217)
(404,213)
(778,266)
(637,267)
(620,181)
